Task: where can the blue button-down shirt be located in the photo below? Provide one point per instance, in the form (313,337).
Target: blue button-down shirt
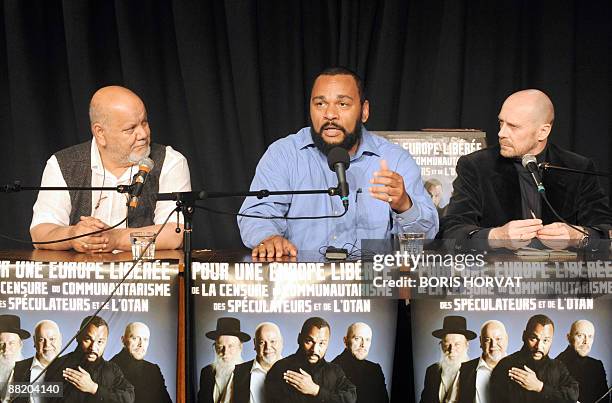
(294,163)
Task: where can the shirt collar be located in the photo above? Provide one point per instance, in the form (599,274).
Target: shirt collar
(36,364)
(257,366)
(96,160)
(366,146)
(483,364)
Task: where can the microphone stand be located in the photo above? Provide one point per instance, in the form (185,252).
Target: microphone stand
(185,202)
(547,165)
(16,187)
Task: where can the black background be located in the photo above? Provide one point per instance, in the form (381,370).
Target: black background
(223,79)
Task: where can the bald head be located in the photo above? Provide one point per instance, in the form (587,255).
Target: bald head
(136,339)
(535,104)
(108,99)
(268,344)
(358,340)
(493,341)
(581,336)
(525,121)
(47,341)
(119,124)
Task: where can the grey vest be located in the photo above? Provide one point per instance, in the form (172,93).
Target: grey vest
(75,164)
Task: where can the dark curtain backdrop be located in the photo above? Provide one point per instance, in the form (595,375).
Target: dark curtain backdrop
(223,79)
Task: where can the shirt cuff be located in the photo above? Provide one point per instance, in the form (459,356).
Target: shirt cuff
(480,234)
(408,217)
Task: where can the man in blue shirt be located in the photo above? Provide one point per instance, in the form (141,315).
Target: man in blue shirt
(385,187)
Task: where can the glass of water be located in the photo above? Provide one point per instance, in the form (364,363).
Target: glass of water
(140,240)
(411,242)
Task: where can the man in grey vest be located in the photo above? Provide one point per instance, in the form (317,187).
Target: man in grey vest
(121,138)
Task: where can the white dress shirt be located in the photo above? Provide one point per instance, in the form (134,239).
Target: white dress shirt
(109,206)
(35,369)
(258,377)
(483,376)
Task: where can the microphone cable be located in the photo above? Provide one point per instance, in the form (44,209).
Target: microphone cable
(211,210)
(561,218)
(64,239)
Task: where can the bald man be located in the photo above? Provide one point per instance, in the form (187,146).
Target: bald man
(474,375)
(147,378)
(496,199)
(249,377)
(367,376)
(121,138)
(47,344)
(588,371)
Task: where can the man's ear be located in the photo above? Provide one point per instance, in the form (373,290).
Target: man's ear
(544,131)
(365,111)
(98,132)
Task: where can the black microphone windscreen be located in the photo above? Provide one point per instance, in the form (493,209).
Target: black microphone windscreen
(336,155)
(528,159)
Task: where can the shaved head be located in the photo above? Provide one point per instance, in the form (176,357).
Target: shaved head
(525,121)
(118,120)
(136,339)
(106,99)
(358,340)
(581,336)
(535,104)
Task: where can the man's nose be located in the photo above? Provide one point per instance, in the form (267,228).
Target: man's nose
(331,112)
(502,131)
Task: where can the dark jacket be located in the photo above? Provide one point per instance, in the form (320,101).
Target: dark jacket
(467,381)
(112,385)
(207,385)
(334,385)
(559,386)
(431,387)
(242,382)
(588,372)
(21,374)
(487,194)
(146,377)
(367,377)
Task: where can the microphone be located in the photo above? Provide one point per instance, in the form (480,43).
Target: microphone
(339,161)
(531,164)
(145,166)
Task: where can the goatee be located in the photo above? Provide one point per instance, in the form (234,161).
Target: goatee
(350,139)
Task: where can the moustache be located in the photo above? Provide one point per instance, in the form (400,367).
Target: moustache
(330,125)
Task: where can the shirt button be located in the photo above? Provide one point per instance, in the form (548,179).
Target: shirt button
(334,237)
(400,219)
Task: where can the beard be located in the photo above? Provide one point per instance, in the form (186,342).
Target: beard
(270,359)
(495,355)
(7,364)
(135,158)
(349,140)
(223,369)
(450,367)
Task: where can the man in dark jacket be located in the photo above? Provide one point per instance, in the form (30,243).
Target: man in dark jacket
(367,376)
(47,343)
(305,376)
(146,377)
(475,375)
(250,376)
(588,371)
(86,375)
(496,199)
(530,375)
